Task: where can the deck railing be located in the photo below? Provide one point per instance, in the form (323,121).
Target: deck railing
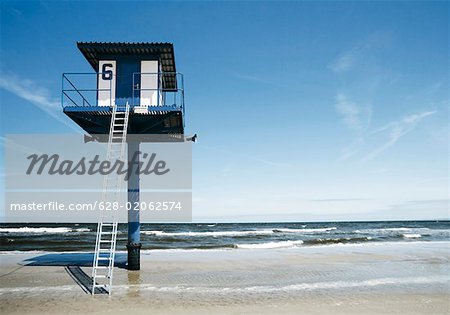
(164,89)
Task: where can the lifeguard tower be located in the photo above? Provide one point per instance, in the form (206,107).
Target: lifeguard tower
(134,90)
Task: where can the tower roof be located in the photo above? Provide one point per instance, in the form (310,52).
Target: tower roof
(95,51)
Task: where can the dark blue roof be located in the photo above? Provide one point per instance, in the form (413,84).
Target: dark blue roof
(94,51)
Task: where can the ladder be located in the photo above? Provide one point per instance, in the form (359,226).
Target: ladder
(105,244)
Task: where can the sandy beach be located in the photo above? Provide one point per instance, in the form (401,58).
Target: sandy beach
(385,278)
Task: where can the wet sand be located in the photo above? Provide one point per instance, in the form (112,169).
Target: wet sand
(388,278)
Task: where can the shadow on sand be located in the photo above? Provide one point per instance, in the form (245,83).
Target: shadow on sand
(73,263)
(71,259)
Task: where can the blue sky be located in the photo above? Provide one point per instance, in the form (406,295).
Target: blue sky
(304,110)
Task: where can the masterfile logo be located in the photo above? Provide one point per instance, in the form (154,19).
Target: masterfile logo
(67,162)
(60,178)
(54,164)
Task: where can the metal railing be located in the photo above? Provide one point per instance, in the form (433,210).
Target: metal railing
(163,89)
(160,89)
(77,89)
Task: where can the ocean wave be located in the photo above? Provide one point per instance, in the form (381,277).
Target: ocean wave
(307,286)
(351,284)
(239,233)
(388,230)
(81,230)
(231,247)
(269,245)
(396,229)
(209,233)
(412,235)
(318,230)
(340,240)
(41,230)
(317,241)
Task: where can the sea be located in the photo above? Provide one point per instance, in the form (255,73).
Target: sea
(233,236)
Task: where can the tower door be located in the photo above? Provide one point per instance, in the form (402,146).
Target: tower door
(149,83)
(106,83)
(127,83)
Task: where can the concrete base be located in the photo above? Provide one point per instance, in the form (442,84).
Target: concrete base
(134,256)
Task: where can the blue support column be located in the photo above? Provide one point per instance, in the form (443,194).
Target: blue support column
(134,226)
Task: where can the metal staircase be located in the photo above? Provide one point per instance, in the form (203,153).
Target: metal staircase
(105,244)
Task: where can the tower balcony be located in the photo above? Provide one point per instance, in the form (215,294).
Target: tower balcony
(156,100)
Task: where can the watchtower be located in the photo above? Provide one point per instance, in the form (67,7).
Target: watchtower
(135,89)
(142,74)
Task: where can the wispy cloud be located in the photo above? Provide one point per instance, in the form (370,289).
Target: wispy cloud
(11,145)
(396,130)
(356,117)
(351,150)
(347,59)
(36,95)
(29,91)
